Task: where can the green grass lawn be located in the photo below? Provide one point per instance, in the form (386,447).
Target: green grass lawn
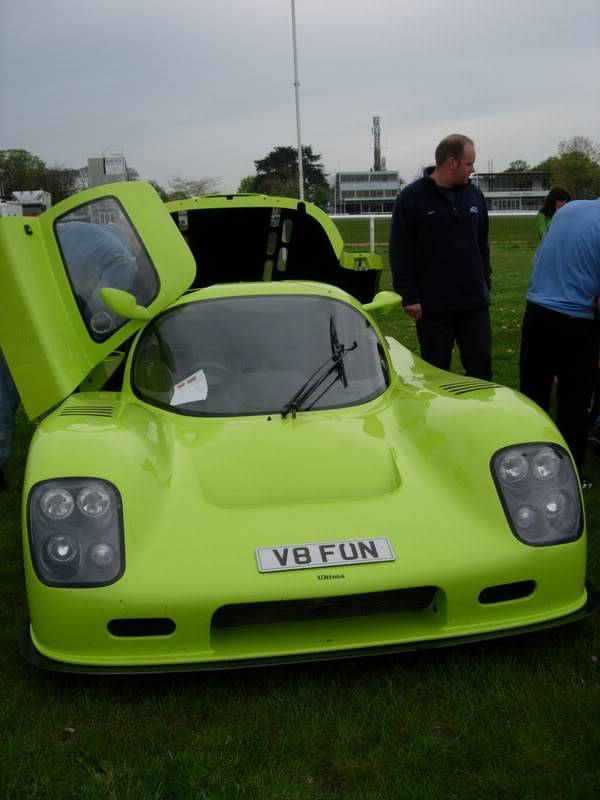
(517,719)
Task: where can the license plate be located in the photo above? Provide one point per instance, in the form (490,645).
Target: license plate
(324,554)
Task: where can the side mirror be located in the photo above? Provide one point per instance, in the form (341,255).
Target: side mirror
(383,303)
(123,303)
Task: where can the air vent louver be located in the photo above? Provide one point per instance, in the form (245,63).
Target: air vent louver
(465,387)
(87,411)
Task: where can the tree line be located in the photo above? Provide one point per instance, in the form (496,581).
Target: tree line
(276,174)
(22,171)
(576,167)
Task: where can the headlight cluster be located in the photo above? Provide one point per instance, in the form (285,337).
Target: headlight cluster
(539,492)
(76,532)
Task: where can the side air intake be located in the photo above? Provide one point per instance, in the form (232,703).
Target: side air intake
(87,411)
(466,387)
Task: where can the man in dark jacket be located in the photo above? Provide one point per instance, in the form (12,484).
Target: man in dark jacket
(439,256)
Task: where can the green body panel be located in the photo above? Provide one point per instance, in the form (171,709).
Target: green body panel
(42,334)
(101,374)
(200,494)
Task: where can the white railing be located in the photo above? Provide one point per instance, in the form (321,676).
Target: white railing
(373,217)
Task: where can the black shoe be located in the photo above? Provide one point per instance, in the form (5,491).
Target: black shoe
(3,481)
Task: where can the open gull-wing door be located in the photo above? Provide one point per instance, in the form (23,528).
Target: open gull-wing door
(256,237)
(55,324)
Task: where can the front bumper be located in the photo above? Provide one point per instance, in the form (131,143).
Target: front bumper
(31,654)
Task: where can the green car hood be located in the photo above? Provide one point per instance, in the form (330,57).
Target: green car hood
(351,463)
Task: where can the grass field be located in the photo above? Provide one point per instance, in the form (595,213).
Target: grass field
(503,229)
(515,719)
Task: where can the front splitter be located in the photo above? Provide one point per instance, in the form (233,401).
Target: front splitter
(35,658)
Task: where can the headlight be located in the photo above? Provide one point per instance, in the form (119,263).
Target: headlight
(76,532)
(545,464)
(539,492)
(57,503)
(61,552)
(93,501)
(513,467)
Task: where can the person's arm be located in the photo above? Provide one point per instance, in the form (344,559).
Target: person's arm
(542,224)
(402,252)
(484,244)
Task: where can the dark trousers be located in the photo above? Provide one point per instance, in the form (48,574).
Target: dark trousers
(558,346)
(470,329)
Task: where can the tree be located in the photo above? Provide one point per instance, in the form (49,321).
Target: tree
(20,171)
(576,167)
(580,144)
(82,180)
(518,166)
(248,184)
(182,188)
(61,182)
(277,174)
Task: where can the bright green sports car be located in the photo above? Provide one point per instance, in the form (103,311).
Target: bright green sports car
(249,471)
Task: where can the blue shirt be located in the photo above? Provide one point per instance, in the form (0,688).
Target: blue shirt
(566,269)
(96,256)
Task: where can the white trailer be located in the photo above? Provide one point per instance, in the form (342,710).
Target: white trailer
(11,208)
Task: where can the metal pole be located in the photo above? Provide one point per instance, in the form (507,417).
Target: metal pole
(296,87)
(335,180)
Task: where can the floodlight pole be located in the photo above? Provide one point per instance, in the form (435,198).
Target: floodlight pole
(296,87)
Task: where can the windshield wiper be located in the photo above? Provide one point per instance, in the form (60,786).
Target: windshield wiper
(337,348)
(334,363)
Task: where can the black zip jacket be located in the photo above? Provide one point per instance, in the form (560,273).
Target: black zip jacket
(439,252)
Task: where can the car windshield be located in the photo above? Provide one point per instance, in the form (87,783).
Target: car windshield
(254,354)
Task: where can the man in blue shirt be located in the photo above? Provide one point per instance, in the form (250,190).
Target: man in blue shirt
(560,333)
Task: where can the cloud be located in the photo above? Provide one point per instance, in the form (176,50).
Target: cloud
(195,88)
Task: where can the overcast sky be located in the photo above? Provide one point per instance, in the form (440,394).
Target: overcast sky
(204,87)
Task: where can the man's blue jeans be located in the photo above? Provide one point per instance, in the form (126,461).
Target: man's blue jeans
(9,401)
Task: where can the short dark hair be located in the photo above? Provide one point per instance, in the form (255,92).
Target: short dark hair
(452,146)
(556,193)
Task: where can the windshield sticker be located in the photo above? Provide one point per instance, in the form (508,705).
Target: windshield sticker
(190,389)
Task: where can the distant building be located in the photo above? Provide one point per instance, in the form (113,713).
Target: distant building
(33,203)
(107,169)
(369,192)
(513,191)
(10,208)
